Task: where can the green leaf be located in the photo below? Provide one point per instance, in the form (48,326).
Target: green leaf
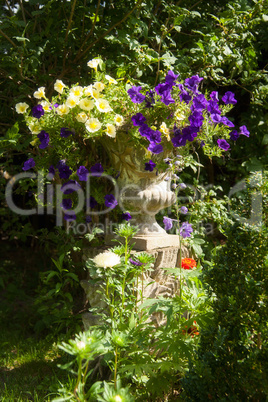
(21,39)
(73,276)
(227,51)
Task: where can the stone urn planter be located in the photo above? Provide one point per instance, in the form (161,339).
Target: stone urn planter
(142,193)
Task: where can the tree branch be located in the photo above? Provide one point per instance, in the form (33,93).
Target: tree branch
(67,32)
(70,20)
(9,8)
(22,11)
(93,25)
(8,38)
(79,56)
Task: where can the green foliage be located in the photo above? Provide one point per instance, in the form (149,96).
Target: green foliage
(57,300)
(139,355)
(231,361)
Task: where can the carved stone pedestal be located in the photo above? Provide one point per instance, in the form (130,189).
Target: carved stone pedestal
(155,283)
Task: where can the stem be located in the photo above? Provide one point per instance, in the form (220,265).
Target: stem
(142,284)
(137,294)
(79,375)
(124,280)
(115,367)
(180,282)
(123,296)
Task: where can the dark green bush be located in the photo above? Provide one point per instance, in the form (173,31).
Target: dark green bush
(232,360)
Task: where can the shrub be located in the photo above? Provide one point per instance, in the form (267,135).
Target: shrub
(232,360)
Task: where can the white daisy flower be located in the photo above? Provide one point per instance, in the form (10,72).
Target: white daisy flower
(107,259)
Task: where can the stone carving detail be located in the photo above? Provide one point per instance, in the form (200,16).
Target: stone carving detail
(143,193)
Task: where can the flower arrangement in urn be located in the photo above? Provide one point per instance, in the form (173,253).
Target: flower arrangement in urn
(131,123)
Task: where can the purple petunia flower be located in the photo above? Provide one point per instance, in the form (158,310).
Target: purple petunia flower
(166,98)
(29,164)
(160,89)
(88,219)
(145,130)
(216,118)
(167,222)
(126,216)
(64,171)
(155,148)
(214,96)
(97,169)
(199,102)
(234,135)
(82,173)
(138,119)
(91,202)
(227,122)
(154,137)
(38,111)
(213,107)
(135,95)
(137,263)
(70,216)
(171,77)
(244,131)
(223,144)
(193,82)
(184,210)
(110,201)
(164,91)
(65,132)
(196,119)
(186,230)
(44,139)
(70,186)
(228,98)
(189,132)
(184,95)
(150,166)
(66,203)
(179,140)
